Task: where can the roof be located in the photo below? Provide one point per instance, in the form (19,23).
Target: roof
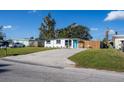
(118,36)
(63,38)
(21,39)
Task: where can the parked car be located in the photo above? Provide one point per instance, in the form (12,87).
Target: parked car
(17,45)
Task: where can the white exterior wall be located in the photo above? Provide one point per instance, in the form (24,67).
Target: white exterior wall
(71,43)
(48,45)
(61,45)
(117,42)
(53,43)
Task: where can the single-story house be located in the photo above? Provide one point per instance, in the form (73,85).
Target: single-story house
(71,43)
(117,40)
(23,41)
(62,43)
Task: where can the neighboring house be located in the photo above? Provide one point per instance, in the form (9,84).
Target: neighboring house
(62,43)
(23,41)
(117,40)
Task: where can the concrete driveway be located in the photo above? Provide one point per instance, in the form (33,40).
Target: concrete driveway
(55,58)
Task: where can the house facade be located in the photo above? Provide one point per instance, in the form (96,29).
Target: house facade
(117,40)
(23,41)
(62,43)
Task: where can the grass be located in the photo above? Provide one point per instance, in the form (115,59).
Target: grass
(106,59)
(21,51)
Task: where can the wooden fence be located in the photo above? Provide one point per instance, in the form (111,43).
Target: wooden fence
(89,44)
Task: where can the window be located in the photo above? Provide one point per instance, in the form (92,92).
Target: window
(68,43)
(58,41)
(48,41)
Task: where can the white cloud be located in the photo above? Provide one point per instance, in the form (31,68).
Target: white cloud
(7,27)
(115,15)
(94,29)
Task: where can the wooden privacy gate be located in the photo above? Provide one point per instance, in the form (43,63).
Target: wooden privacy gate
(89,44)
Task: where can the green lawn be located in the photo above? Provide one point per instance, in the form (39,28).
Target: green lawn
(21,51)
(107,59)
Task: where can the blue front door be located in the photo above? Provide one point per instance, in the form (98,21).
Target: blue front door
(75,43)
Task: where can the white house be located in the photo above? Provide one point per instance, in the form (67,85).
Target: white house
(23,41)
(117,40)
(62,43)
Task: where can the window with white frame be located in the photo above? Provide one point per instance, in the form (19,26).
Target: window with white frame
(58,41)
(48,41)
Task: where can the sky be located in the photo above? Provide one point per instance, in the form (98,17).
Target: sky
(20,24)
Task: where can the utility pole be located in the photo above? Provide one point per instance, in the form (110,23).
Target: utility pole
(107,37)
(107,34)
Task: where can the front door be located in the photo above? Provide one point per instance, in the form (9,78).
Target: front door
(75,44)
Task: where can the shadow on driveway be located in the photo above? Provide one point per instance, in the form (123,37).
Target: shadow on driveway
(4,65)
(2,70)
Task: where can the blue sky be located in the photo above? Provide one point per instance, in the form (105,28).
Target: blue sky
(25,23)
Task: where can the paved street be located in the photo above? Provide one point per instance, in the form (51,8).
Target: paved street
(13,72)
(52,66)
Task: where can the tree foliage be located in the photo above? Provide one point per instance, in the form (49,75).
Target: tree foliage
(47,28)
(48,31)
(75,31)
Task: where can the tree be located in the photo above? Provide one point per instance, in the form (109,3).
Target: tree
(47,28)
(1,34)
(75,31)
(105,43)
(62,33)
